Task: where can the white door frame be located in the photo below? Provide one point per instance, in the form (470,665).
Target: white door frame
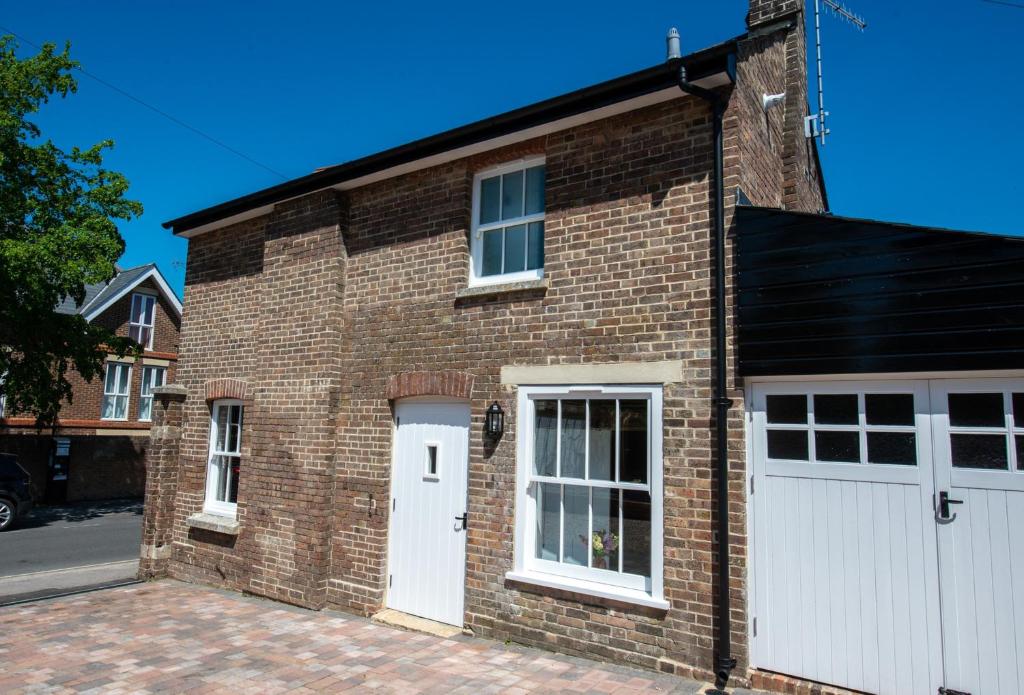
(426,560)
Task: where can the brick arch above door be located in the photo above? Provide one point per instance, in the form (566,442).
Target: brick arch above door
(450,383)
(215,389)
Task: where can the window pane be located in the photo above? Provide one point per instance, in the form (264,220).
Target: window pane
(232,438)
(490,200)
(976,410)
(836,409)
(979,450)
(574,427)
(837,446)
(145,337)
(633,441)
(787,444)
(545,441)
(535,190)
(145,408)
(137,308)
(604,545)
(161,374)
(122,381)
(236,414)
(135,333)
(577,522)
(492,252)
(515,248)
(548,513)
(636,532)
(1020,452)
(512,195)
(111,378)
(120,407)
(889,408)
(150,303)
(602,440)
(108,407)
(898,448)
(217,472)
(222,427)
(788,410)
(1018,410)
(235,464)
(535,246)
(147,378)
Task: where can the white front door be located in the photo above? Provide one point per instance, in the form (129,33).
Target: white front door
(427,537)
(979,460)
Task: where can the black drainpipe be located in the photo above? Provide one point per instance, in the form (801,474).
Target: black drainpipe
(722,403)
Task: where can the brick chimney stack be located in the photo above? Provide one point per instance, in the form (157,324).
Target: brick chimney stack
(767,11)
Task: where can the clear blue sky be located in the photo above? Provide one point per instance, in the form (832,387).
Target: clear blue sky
(926,104)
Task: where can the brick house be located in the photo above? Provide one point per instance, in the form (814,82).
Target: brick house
(97,449)
(346,335)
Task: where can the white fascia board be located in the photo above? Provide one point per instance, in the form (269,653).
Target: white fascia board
(661,96)
(157,277)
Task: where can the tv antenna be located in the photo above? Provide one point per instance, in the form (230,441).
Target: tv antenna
(814,125)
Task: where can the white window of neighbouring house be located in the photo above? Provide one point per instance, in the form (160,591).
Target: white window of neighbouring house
(225,457)
(507,235)
(151,378)
(116,383)
(140,324)
(590,481)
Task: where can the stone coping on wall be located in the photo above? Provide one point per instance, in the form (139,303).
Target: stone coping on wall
(213,522)
(656,372)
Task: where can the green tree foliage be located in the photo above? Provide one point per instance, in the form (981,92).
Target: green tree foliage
(57,233)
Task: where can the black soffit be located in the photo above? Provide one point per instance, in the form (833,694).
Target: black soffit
(819,294)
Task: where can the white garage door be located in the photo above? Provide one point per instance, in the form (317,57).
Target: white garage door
(862,578)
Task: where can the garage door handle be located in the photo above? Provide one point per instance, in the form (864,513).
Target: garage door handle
(463,519)
(942,511)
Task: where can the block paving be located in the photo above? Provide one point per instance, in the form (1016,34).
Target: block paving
(172,637)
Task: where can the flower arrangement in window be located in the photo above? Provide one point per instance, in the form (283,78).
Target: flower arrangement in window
(602,545)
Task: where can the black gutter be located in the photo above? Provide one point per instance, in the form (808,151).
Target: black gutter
(710,61)
(725,663)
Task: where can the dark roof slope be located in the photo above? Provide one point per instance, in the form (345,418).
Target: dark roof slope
(820,294)
(98,293)
(704,63)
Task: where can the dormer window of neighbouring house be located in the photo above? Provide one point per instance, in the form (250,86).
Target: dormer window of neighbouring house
(140,324)
(507,234)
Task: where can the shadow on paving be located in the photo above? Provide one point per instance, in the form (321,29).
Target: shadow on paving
(45,515)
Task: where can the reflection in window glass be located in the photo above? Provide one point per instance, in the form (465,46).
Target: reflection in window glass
(512,195)
(604,546)
(835,409)
(889,408)
(548,513)
(576,506)
(837,446)
(1019,439)
(574,428)
(986,451)
(602,439)
(788,444)
(1018,410)
(490,199)
(976,410)
(633,441)
(636,532)
(895,448)
(545,437)
(787,410)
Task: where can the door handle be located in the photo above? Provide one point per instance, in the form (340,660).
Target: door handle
(942,514)
(464,518)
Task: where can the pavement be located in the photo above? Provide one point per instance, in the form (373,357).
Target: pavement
(171,637)
(68,548)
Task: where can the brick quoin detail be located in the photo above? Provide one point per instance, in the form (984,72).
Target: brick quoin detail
(225,388)
(444,383)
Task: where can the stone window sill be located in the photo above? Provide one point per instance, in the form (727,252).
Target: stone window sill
(213,522)
(503,289)
(580,586)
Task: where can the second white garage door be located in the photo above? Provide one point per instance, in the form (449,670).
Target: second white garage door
(863,576)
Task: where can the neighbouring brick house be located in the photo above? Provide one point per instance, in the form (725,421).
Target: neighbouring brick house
(97,449)
(346,333)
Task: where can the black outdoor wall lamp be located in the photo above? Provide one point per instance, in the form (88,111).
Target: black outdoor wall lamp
(494,423)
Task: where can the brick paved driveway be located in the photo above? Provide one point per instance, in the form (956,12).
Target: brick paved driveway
(170,637)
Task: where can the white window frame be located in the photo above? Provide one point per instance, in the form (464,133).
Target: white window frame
(143,296)
(436,474)
(151,371)
(586,580)
(211,504)
(116,394)
(476,245)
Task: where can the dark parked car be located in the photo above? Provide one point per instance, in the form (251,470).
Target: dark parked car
(15,496)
